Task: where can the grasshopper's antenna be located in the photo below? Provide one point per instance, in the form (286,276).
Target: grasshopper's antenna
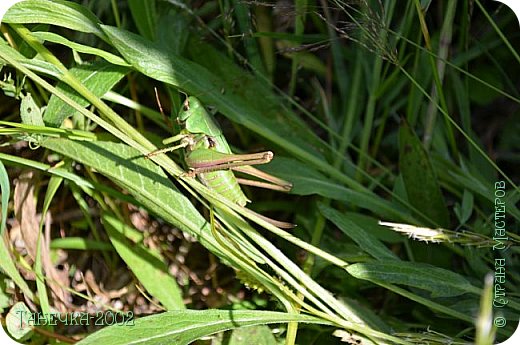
(159,102)
(184,93)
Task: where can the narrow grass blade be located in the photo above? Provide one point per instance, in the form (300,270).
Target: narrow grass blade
(8,267)
(145,17)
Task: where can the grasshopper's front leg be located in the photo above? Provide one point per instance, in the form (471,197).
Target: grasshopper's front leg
(185,140)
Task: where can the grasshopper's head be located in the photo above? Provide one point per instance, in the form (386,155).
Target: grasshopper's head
(194,118)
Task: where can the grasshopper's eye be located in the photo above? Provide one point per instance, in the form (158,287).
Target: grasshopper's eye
(186,104)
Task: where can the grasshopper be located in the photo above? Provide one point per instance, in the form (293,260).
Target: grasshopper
(209,158)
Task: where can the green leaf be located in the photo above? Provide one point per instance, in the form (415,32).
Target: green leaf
(30,113)
(5,189)
(6,264)
(17,322)
(57,12)
(36,65)
(364,240)
(440,282)
(55,38)
(261,334)
(79,243)
(186,326)
(420,181)
(99,77)
(465,210)
(371,226)
(8,267)
(147,265)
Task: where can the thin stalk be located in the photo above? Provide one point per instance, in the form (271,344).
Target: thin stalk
(444,45)
(437,79)
(499,32)
(369,117)
(351,110)
(115,9)
(299,27)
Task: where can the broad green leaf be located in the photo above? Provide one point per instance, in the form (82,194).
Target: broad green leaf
(440,282)
(186,326)
(99,77)
(308,181)
(57,12)
(364,240)
(147,265)
(17,322)
(420,181)
(371,225)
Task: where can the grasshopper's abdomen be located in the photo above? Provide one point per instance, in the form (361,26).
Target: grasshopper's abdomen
(225,183)
(222,181)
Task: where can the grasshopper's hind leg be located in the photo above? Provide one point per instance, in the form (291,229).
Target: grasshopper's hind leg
(273,182)
(206,160)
